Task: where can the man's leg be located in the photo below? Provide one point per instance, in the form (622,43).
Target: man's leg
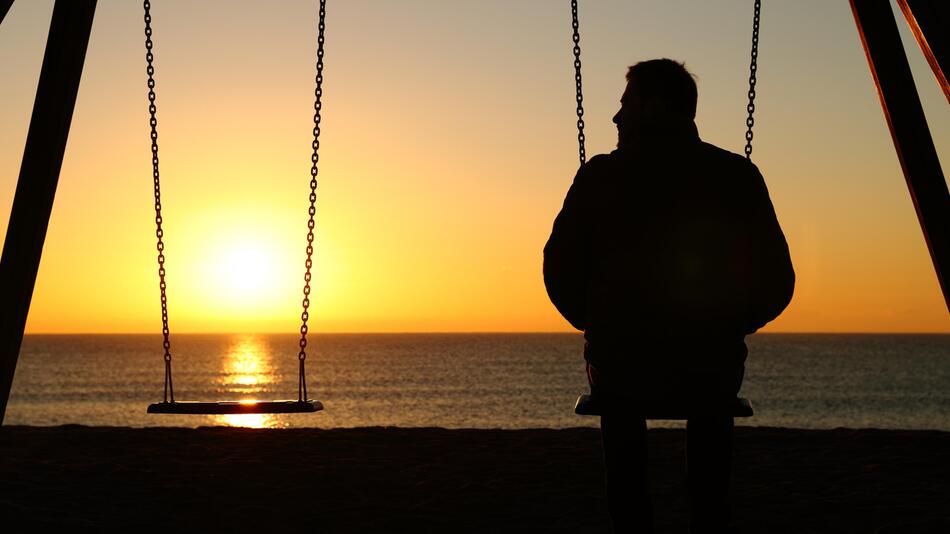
(709,466)
(625,462)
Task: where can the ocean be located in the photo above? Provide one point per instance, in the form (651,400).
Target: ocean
(460,380)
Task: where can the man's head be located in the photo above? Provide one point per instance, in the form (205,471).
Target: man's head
(659,93)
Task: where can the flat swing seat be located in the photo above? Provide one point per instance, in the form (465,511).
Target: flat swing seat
(589,405)
(236,407)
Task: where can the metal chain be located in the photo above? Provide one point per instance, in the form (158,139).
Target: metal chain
(753,66)
(159,233)
(315,158)
(577,79)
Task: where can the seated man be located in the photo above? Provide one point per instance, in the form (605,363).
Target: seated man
(667,253)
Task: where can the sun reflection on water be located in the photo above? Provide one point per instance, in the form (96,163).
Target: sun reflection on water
(247,368)
(251,420)
(247,374)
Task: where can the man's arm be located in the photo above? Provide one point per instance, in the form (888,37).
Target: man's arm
(566,252)
(773,278)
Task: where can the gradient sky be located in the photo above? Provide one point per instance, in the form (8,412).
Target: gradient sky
(448,144)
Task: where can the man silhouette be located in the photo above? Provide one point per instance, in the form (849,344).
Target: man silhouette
(667,253)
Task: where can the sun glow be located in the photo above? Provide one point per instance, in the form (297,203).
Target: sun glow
(245,273)
(238,271)
(233,274)
(248,271)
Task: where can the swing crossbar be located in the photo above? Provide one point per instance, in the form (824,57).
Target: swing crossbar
(236,407)
(589,405)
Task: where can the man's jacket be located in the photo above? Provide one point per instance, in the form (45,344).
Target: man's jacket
(668,247)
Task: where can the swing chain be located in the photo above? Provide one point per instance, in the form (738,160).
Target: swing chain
(753,66)
(315,158)
(577,80)
(159,233)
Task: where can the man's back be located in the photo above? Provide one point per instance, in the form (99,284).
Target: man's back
(668,245)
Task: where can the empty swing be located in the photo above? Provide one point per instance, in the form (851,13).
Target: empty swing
(670,409)
(303,404)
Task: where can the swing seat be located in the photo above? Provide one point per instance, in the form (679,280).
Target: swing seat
(236,407)
(663,409)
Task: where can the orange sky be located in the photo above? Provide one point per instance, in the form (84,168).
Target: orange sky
(448,144)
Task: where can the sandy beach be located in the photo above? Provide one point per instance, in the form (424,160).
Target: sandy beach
(75,478)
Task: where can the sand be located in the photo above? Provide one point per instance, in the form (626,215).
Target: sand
(75,478)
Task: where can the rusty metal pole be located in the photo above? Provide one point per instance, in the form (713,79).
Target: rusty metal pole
(929,20)
(905,118)
(39,173)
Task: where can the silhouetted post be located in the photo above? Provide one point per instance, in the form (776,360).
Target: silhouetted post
(905,117)
(39,173)
(4,7)
(930,22)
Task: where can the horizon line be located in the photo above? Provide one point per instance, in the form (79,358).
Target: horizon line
(457,332)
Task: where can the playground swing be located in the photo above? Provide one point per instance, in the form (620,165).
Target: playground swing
(671,409)
(303,404)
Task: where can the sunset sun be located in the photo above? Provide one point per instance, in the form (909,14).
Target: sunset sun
(248,271)
(246,276)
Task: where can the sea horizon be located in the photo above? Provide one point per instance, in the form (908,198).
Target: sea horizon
(461,379)
(453,332)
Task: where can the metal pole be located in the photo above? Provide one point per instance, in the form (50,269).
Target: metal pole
(42,159)
(4,8)
(905,117)
(930,22)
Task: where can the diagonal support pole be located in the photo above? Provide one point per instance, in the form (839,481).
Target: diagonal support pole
(39,173)
(929,20)
(4,8)
(905,118)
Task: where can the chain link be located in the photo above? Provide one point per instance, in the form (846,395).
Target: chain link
(753,66)
(315,158)
(159,233)
(577,80)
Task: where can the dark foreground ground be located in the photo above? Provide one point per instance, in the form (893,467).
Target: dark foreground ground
(77,478)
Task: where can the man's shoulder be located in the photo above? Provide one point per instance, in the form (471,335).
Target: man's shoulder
(724,156)
(601,162)
(735,172)
(702,154)
(595,170)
